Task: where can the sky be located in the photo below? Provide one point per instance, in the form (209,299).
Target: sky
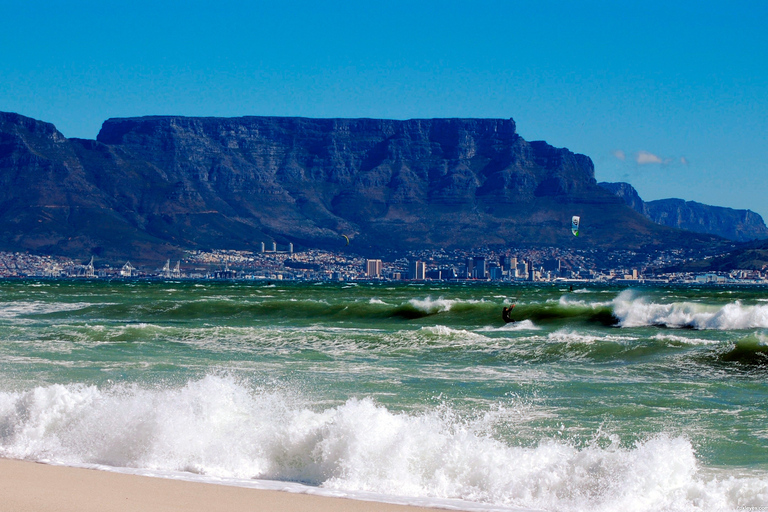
(671,97)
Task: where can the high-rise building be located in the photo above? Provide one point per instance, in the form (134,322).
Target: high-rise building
(522,269)
(478,262)
(417,270)
(274,246)
(290,247)
(552,265)
(263,248)
(373,268)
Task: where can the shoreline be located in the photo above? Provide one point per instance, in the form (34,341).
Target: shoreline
(27,486)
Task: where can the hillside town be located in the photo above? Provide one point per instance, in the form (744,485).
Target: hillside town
(484,264)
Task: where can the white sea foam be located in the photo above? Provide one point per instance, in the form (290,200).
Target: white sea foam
(438,335)
(219,428)
(569,336)
(16,309)
(442,330)
(684,340)
(522,325)
(431,306)
(634,311)
(568,301)
(439,305)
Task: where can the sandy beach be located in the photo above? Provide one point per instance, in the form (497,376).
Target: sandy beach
(33,487)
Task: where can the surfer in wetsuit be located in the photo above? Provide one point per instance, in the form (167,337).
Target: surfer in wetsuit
(505,314)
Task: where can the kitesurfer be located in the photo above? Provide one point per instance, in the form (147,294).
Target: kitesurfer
(505,314)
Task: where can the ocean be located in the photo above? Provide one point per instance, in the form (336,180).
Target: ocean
(603,398)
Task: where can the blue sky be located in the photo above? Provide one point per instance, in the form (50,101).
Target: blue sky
(669,96)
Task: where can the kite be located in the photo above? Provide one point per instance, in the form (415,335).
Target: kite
(575,225)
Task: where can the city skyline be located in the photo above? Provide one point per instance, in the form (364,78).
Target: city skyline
(543,265)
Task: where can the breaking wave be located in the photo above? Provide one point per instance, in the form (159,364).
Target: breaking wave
(633,311)
(223,429)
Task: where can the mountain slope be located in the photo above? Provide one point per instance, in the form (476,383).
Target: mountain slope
(154,185)
(737,225)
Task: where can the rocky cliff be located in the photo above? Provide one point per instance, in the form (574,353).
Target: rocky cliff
(151,185)
(737,225)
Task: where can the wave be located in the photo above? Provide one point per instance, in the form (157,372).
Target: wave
(223,429)
(417,308)
(750,350)
(682,340)
(565,309)
(12,310)
(628,309)
(521,325)
(264,307)
(634,311)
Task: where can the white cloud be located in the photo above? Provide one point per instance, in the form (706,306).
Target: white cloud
(644,157)
(620,155)
(683,160)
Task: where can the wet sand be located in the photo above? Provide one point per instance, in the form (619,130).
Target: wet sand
(33,487)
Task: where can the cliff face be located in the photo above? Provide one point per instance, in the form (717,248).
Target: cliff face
(737,225)
(148,185)
(626,192)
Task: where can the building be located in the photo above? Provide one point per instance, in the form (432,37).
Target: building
(522,270)
(417,270)
(552,265)
(373,268)
(470,268)
(127,270)
(479,270)
(88,270)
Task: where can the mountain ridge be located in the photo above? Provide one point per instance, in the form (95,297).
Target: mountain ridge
(732,224)
(156,185)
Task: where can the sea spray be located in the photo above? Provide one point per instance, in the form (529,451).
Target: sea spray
(635,311)
(221,428)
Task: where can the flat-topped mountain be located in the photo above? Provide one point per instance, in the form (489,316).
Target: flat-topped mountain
(153,185)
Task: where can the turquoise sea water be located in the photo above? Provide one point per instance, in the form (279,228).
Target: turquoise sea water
(603,398)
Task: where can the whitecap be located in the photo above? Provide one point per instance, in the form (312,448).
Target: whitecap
(635,311)
(522,325)
(220,429)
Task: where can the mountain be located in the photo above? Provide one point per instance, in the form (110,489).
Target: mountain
(737,225)
(747,256)
(150,187)
(50,202)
